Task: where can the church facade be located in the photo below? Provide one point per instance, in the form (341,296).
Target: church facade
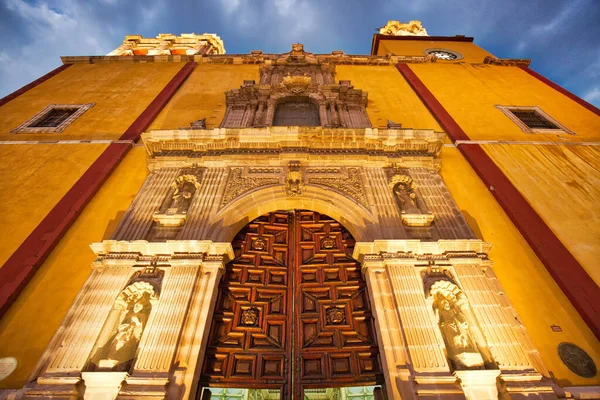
(416,223)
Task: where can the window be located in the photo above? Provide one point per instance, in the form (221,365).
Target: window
(53,119)
(296,113)
(533,119)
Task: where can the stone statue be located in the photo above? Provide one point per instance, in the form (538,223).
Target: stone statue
(182,197)
(119,339)
(461,348)
(407,198)
(125,341)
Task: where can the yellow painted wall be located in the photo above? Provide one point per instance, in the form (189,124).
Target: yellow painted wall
(469,93)
(120,91)
(28,326)
(390,96)
(203,95)
(470,51)
(562,184)
(537,298)
(33,179)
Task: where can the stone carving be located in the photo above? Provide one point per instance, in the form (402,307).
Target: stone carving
(250,316)
(336,316)
(350,185)
(296,84)
(577,360)
(412,207)
(238,184)
(198,124)
(466,347)
(397,28)
(117,344)
(294,180)
(174,209)
(297,78)
(168,44)
(393,125)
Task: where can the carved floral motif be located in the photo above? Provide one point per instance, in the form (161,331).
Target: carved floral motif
(351,185)
(238,184)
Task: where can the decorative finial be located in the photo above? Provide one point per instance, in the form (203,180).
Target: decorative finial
(397,28)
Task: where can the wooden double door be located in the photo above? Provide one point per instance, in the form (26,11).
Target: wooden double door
(293,311)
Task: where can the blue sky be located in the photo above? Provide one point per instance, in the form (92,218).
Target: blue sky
(562,37)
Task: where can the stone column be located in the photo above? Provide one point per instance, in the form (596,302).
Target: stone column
(190,352)
(258,117)
(249,116)
(333,113)
(392,346)
(270,112)
(176,329)
(323,113)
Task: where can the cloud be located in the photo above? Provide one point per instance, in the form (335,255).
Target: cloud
(592,95)
(560,36)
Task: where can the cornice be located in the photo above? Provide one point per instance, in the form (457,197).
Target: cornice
(168,145)
(170,248)
(255,57)
(507,62)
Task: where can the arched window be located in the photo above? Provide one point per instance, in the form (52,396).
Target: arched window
(296,111)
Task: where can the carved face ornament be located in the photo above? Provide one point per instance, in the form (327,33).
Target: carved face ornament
(336,315)
(250,316)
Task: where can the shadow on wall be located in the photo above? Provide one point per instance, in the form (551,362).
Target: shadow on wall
(112,225)
(472,224)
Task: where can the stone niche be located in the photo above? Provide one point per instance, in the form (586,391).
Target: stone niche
(296,90)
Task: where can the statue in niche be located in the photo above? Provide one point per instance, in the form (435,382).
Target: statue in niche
(117,344)
(465,345)
(412,207)
(184,190)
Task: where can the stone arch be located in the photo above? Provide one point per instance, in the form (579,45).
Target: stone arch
(359,221)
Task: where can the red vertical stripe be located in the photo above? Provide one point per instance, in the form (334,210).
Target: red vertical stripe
(33,84)
(26,260)
(562,90)
(574,281)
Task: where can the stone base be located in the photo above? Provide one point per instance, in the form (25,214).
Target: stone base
(528,385)
(150,386)
(55,387)
(479,384)
(436,386)
(102,385)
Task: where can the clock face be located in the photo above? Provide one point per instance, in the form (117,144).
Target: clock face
(443,55)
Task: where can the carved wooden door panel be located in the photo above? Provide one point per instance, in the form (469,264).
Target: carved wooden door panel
(334,342)
(249,345)
(292,311)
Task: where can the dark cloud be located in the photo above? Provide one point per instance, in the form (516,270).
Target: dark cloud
(560,36)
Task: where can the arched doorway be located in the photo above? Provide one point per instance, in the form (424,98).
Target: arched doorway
(293,315)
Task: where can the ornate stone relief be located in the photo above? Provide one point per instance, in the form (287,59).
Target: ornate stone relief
(238,184)
(577,360)
(413,210)
(397,28)
(296,77)
(294,179)
(351,185)
(466,347)
(116,346)
(168,44)
(173,211)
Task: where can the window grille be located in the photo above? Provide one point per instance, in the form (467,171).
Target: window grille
(532,119)
(54,118)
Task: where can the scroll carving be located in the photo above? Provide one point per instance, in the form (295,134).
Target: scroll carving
(413,210)
(466,347)
(237,184)
(350,185)
(120,336)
